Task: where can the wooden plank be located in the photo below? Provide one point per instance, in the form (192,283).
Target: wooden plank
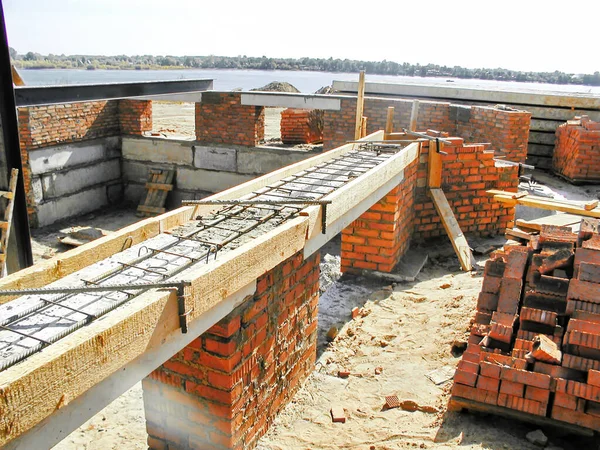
(545,203)
(8,214)
(459,242)
(590,205)
(414,115)
(363,127)
(360,104)
(459,403)
(562,220)
(434,176)
(35,388)
(159,186)
(516,233)
(150,209)
(389,123)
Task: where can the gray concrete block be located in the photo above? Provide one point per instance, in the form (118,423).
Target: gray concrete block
(215,158)
(206,180)
(133,193)
(61,157)
(36,188)
(68,182)
(71,205)
(261,161)
(158,150)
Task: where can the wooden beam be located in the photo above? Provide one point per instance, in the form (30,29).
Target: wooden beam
(360,103)
(389,123)
(363,127)
(434,177)
(533,201)
(414,115)
(459,242)
(35,388)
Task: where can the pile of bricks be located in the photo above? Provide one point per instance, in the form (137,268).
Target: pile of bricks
(535,341)
(577,150)
(301,126)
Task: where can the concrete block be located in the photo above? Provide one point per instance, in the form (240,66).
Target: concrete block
(207,180)
(215,158)
(61,157)
(133,193)
(158,150)
(36,188)
(72,205)
(260,161)
(68,182)
(137,171)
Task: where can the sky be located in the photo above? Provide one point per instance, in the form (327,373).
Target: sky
(512,34)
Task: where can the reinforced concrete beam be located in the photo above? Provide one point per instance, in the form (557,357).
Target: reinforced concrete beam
(292,100)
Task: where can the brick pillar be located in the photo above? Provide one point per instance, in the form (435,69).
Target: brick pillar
(222,119)
(224,389)
(135,116)
(380,237)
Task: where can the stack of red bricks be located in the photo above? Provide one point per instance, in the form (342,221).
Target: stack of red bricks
(535,341)
(301,126)
(577,150)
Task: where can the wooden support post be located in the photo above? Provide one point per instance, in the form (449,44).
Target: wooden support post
(363,127)
(434,178)
(360,103)
(414,115)
(389,123)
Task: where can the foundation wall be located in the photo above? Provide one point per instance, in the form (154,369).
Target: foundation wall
(577,152)
(225,388)
(507,131)
(200,169)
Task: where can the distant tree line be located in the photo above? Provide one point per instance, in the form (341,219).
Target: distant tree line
(33,60)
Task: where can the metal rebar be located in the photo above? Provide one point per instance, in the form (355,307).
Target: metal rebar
(256,202)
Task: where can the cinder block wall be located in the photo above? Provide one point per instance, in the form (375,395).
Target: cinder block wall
(507,131)
(225,388)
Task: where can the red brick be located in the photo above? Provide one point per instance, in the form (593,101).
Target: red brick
(575,417)
(512,388)
(510,295)
(488,384)
(525,377)
(584,290)
(537,394)
(594,378)
(565,400)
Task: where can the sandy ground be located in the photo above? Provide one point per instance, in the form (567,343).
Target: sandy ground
(176,120)
(407,330)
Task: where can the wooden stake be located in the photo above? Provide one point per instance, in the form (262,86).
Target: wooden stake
(363,127)
(414,115)
(389,123)
(360,103)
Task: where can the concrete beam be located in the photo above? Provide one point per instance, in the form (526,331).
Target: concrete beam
(525,97)
(291,100)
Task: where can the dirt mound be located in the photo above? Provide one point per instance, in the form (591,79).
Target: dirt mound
(277,86)
(324,90)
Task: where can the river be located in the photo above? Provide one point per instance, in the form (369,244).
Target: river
(227,79)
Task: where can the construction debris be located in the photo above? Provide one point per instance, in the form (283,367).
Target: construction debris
(338,415)
(536,300)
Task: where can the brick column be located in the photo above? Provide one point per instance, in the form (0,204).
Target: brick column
(379,238)
(135,116)
(222,119)
(224,389)
(25,144)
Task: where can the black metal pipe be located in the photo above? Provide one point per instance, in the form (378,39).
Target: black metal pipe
(11,159)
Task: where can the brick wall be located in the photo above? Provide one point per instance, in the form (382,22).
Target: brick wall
(222,119)
(135,116)
(506,130)
(577,150)
(379,238)
(301,126)
(225,388)
(467,172)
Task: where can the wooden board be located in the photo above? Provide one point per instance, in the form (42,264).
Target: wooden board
(533,201)
(434,176)
(459,242)
(8,214)
(562,220)
(360,103)
(160,181)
